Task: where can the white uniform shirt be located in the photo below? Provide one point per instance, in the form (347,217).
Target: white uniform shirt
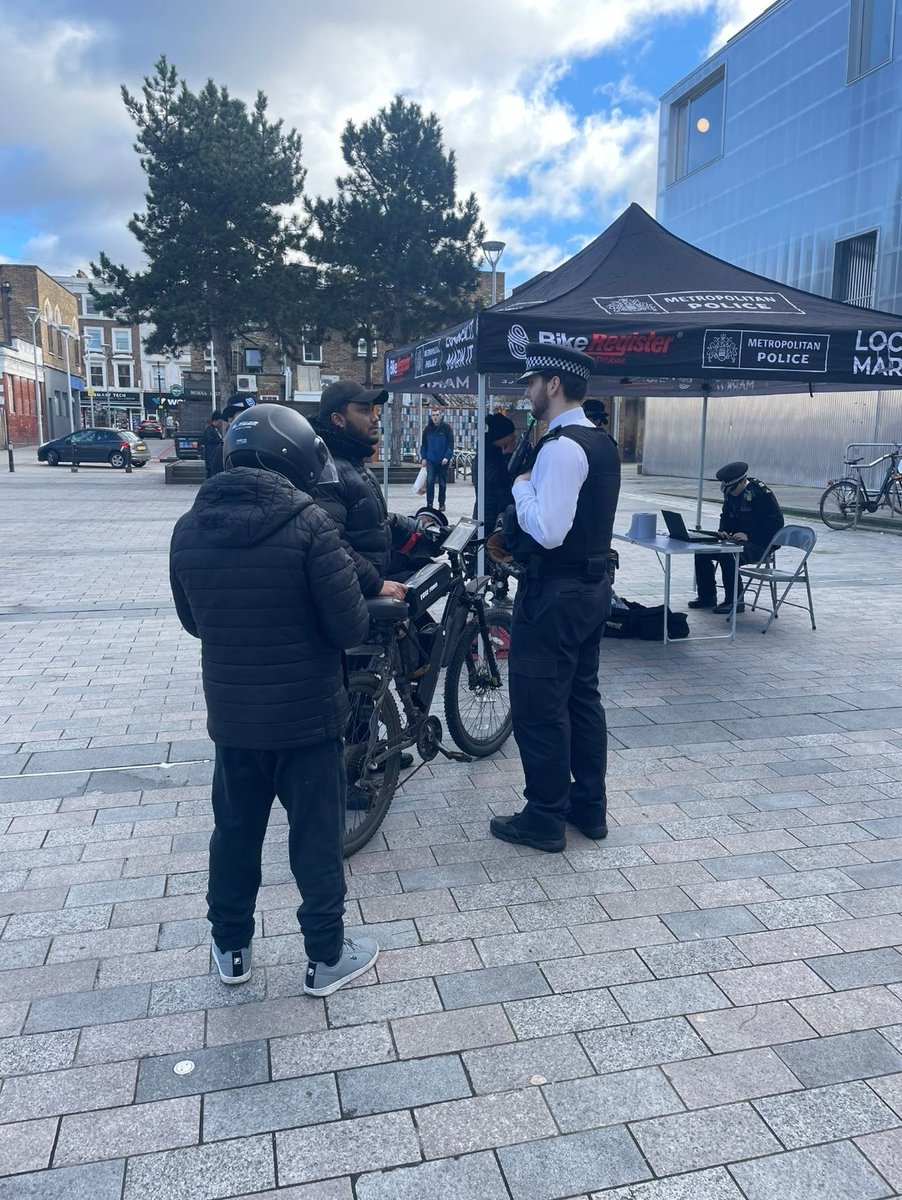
(546,503)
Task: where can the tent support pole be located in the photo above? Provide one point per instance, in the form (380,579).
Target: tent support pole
(388,416)
(701,460)
(480,468)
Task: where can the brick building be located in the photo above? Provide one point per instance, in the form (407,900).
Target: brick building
(43,409)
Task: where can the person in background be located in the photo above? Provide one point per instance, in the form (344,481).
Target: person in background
(258,574)
(211,443)
(498,443)
(751,515)
(435,454)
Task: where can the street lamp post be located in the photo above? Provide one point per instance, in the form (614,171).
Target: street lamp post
(66,331)
(88,379)
(492,252)
(34,315)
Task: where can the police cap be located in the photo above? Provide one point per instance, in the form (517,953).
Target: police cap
(732,473)
(542,358)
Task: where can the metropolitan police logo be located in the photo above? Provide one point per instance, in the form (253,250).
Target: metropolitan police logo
(722,351)
(628,305)
(517,341)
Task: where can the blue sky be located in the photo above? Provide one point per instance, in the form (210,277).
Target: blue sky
(550,106)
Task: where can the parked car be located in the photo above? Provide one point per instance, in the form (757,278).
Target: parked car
(149,427)
(96,446)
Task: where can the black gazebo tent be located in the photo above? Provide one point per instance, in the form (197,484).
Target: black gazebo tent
(660,317)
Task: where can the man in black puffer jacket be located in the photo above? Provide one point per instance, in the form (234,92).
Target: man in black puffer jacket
(259,575)
(348,422)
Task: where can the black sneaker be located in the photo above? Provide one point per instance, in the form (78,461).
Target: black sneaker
(589,827)
(702,602)
(726,608)
(234,966)
(514,829)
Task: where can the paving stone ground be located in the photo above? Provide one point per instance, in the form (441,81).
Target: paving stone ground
(707,1006)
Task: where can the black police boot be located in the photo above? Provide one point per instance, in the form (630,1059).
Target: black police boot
(589,822)
(519,830)
(702,602)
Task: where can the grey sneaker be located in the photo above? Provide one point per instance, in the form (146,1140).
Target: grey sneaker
(357,956)
(234,966)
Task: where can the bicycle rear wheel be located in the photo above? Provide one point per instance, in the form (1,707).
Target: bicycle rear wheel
(369,792)
(841,505)
(478,707)
(894,496)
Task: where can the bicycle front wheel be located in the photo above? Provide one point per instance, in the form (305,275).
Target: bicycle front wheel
(370,787)
(841,505)
(477,704)
(894,496)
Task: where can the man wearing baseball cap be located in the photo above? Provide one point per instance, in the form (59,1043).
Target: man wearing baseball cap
(565,510)
(751,516)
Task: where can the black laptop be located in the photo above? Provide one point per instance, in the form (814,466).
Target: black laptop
(676,528)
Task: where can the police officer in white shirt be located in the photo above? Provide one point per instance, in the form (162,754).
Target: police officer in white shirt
(561,533)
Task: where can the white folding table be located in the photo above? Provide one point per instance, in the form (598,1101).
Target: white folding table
(667,548)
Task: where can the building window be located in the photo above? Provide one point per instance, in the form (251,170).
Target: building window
(93,338)
(870,36)
(312,352)
(122,341)
(98,374)
(362,348)
(696,127)
(253,360)
(89,306)
(854,269)
(124,375)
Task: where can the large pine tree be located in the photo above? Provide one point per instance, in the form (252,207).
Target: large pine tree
(215,235)
(396,249)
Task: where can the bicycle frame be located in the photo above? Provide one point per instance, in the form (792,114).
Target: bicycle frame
(872,501)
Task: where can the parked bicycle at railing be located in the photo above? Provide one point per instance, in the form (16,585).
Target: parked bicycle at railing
(844,501)
(463,463)
(408,648)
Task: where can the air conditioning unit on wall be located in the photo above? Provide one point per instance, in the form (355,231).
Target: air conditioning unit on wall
(247,383)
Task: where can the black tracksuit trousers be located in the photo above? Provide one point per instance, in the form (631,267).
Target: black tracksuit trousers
(309,783)
(559,722)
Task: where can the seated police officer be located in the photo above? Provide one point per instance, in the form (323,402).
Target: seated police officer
(561,533)
(750,516)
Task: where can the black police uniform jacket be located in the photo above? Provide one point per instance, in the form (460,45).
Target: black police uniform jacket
(357,507)
(498,493)
(258,574)
(754,512)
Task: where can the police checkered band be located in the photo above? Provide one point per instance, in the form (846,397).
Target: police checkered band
(559,360)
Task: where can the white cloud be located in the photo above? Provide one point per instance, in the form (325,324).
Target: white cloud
(488,70)
(733,15)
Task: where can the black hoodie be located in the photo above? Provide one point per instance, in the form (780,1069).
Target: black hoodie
(259,575)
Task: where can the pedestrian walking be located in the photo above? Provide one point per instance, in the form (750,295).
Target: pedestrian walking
(259,576)
(560,531)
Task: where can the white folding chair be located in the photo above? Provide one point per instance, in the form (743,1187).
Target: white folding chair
(796,537)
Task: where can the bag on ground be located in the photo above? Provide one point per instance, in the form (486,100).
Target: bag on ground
(630,619)
(418,487)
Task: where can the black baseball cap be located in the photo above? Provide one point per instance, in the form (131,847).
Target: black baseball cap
(343,391)
(237,404)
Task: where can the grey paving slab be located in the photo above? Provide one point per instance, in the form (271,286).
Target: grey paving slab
(545,1016)
(612,1099)
(246,1110)
(774,981)
(25,1054)
(331,1050)
(711,923)
(669,997)
(706,1138)
(727,1078)
(782,945)
(78,1089)
(120,1132)
(835,1172)
(407,1084)
(757,1025)
(26,1145)
(474,1175)
(88,1008)
(885,1152)
(215,1069)
(95,1181)
(383,1001)
(572,1163)
(840,1058)
(693,957)
(826,1114)
(845,1012)
(202,1172)
(494,984)
(644,1044)
(500,1119)
(133,1039)
(460,1029)
(714,1184)
(520,1064)
(346,1147)
(595,970)
(862,968)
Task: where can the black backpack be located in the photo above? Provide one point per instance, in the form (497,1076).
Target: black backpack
(629,619)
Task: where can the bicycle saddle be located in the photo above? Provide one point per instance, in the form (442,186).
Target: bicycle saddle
(386,608)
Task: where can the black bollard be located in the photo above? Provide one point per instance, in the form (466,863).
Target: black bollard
(74,466)
(12,461)
(128,460)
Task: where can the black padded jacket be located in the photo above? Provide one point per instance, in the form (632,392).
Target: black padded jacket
(258,574)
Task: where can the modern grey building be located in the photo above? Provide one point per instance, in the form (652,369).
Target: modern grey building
(782,153)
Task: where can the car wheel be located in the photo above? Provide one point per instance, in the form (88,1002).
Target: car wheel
(139,464)
(53,459)
(117,459)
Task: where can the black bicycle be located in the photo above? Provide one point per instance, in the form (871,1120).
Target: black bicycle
(408,648)
(845,500)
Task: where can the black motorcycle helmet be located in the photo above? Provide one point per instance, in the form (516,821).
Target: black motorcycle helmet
(273,437)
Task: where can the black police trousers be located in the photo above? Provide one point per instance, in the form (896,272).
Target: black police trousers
(705,579)
(309,783)
(559,722)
